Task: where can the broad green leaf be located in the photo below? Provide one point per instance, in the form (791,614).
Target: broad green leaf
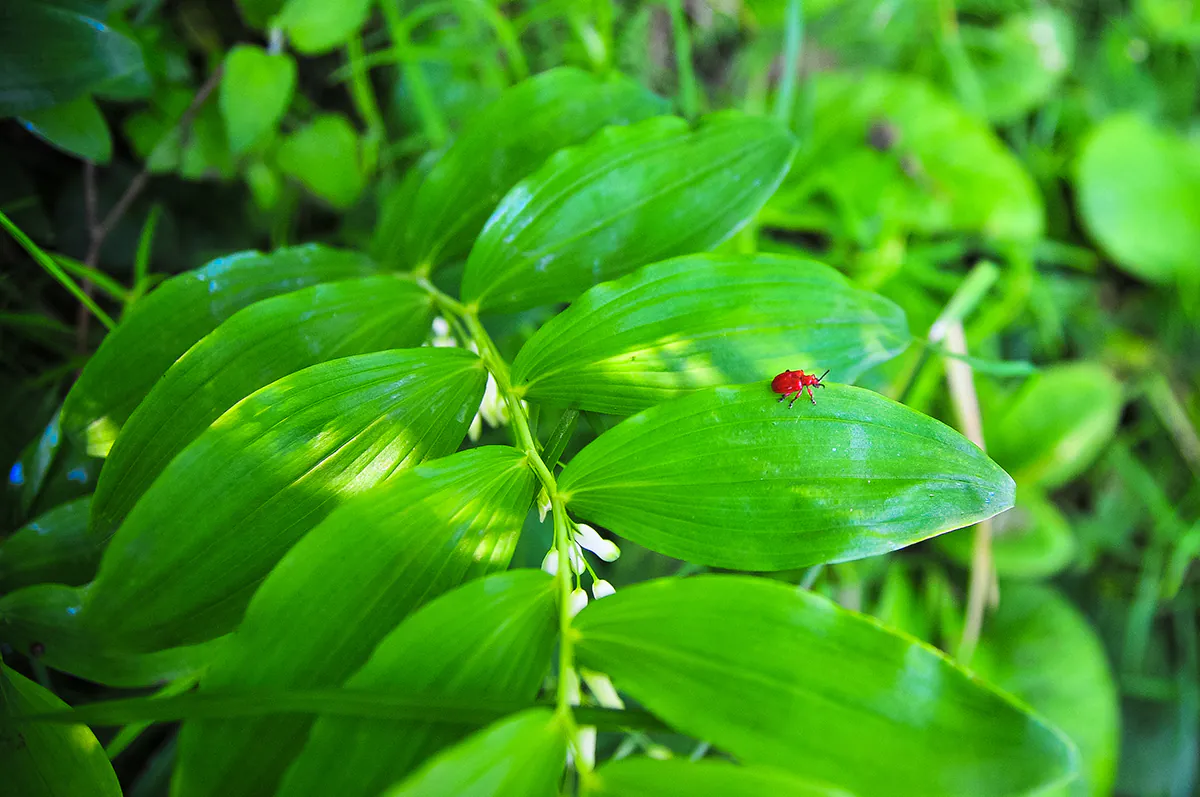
(76,127)
(1139,197)
(1057,424)
(364,569)
(47,760)
(1020,63)
(45,622)
(706,320)
(255,91)
(257,345)
(323,157)
(1041,649)
(316,26)
(629,196)
(524,754)
(166,323)
(490,639)
(1031,540)
(51,53)
(54,547)
(920,183)
(781,677)
(507,141)
(730,477)
(638,777)
(1171,20)
(197,544)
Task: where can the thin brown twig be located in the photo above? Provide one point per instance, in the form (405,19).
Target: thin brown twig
(98,231)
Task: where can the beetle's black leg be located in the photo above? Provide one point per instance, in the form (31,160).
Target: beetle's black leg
(781,398)
(810,396)
(793,401)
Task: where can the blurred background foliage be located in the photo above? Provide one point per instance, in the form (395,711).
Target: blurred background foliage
(1031,169)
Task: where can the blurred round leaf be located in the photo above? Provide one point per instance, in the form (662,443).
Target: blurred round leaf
(1176,21)
(1139,196)
(323,156)
(1020,63)
(1031,540)
(76,127)
(317,26)
(255,91)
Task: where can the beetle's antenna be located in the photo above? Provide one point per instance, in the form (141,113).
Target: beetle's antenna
(822,376)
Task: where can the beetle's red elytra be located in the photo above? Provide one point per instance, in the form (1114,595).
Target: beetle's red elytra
(793,383)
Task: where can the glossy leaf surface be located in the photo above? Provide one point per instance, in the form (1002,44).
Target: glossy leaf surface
(76,127)
(630,196)
(488,640)
(53,547)
(45,622)
(1041,649)
(706,320)
(52,53)
(523,754)
(732,478)
(781,677)
(1057,424)
(507,141)
(1139,196)
(166,323)
(258,345)
(254,93)
(636,777)
(349,583)
(47,760)
(919,183)
(196,545)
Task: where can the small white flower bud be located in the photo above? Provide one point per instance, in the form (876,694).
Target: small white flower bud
(602,589)
(579,599)
(476,428)
(543,505)
(550,562)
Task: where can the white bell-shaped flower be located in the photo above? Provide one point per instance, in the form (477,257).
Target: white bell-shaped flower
(587,537)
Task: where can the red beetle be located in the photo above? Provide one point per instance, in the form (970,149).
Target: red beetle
(796,382)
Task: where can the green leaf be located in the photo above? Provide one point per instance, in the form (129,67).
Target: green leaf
(630,196)
(1058,423)
(166,323)
(706,320)
(781,677)
(1139,196)
(504,143)
(489,639)
(637,777)
(367,566)
(51,53)
(1020,63)
(732,478)
(47,760)
(259,13)
(1031,540)
(197,544)
(54,547)
(524,754)
(920,183)
(317,26)
(1041,649)
(323,156)
(256,346)
(76,127)
(255,91)
(45,622)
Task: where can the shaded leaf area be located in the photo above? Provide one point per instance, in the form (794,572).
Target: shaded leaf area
(629,196)
(197,544)
(319,615)
(917,183)
(1041,649)
(54,547)
(52,52)
(76,127)
(166,323)
(635,777)
(523,754)
(781,677)
(256,346)
(45,622)
(854,475)
(705,320)
(489,639)
(43,760)
(1032,540)
(1139,197)
(506,141)
(1058,423)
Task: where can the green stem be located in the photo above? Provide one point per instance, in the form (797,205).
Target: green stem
(363,96)
(689,93)
(793,43)
(55,270)
(431,116)
(505,34)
